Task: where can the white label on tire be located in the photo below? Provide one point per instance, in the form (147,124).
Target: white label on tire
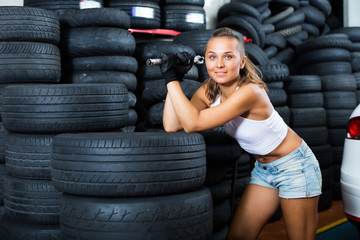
(144,12)
(84,4)
(195,18)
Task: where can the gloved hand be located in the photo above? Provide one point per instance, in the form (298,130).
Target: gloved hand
(175,66)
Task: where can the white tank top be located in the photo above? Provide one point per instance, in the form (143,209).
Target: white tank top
(258,137)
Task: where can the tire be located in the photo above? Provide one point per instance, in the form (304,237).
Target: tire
(143,14)
(2,177)
(275,39)
(28,155)
(29,62)
(184,17)
(154,116)
(355,61)
(274,72)
(340,100)
(196,39)
(221,215)
(307,117)
(306,100)
(338,118)
(303,84)
(327,68)
(279,16)
(182,216)
(327,41)
(199,3)
(95,17)
(324,155)
(339,82)
(314,16)
(31,201)
(277,97)
(313,136)
(256,54)
(351,32)
(155,91)
(61,108)
(97,41)
(234,8)
(242,26)
(322,5)
(14,230)
(104,77)
(58,6)
(128,164)
(29,24)
(105,63)
(296,18)
(323,55)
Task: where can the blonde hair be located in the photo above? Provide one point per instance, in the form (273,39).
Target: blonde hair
(249,74)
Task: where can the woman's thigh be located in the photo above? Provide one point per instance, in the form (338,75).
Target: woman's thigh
(256,207)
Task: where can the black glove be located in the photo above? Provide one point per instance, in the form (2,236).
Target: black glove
(175,66)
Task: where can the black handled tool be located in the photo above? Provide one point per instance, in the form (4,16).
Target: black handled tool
(157,61)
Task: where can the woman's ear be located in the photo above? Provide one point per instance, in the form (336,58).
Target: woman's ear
(243,61)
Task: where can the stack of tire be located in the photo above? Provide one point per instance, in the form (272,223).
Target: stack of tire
(183,15)
(222,155)
(243,18)
(353,34)
(308,119)
(143,14)
(29,56)
(329,57)
(152,88)
(58,6)
(97,48)
(138,185)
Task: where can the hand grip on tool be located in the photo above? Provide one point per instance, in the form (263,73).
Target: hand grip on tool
(157,61)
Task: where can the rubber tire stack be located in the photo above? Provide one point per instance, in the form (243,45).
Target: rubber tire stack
(134,186)
(308,119)
(97,49)
(222,152)
(143,14)
(183,15)
(329,57)
(58,6)
(353,34)
(29,55)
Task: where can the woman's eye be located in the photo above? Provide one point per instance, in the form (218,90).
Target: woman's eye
(212,57)
(228,57)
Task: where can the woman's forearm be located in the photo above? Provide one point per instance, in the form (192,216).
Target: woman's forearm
(171,122)
(186,113)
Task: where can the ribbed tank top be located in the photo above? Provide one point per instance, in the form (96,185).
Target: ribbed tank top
(258,137)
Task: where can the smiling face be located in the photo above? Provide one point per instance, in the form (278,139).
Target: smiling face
(224,60)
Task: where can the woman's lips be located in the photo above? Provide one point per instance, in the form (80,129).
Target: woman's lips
(220,73)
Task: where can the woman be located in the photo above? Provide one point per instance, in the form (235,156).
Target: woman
(286,171)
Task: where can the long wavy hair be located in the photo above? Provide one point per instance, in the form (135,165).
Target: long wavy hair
(249,74)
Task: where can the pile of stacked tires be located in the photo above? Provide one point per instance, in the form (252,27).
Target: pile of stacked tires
(179,15)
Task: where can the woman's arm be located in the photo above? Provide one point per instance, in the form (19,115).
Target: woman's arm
(171,121)
(193,119)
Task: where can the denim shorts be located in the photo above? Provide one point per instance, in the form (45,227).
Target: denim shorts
(296,175)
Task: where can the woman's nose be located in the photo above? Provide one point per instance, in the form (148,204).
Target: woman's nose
(219,63)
